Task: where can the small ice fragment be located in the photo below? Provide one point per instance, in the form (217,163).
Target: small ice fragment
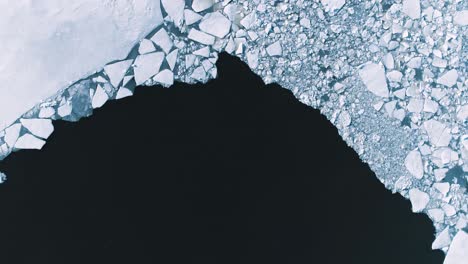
(165,77)
(412,8)
(252,58)
(189,60)
(204,52)
(116,71)
(123,92)
(215,24)
(388,61)
(200,5)
(438,133)
(332,5)
(28,141)
(146,66)
(439,174)
(100,97)
(305,22)
(191,17)
(275,49)
(42,128)
(2,177)
(457,252)
(46,112)
(201,37)
(146,46)
(344,119)
(373,76)
(419,200)
(175,10)
(171,58)
(162,39)
(461,18)
(12,134)
(394,76)
(462,113)
(449,78)
(414,164)
(442,240)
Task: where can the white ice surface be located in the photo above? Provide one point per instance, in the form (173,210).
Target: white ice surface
(84,35)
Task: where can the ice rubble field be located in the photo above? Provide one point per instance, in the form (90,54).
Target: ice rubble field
(390,74)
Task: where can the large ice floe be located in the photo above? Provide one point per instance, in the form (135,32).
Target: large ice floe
(391,75)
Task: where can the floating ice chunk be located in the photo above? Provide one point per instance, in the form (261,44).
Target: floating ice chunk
(438,133)
(200,5)
(462,113)
(215,24)
(116,71)
(28,141)
(394,76)
(436,214)
(2,177)
(123,92)
(146,46)
(414,164)
(100,97)
(165,77)
(248,20)
(189,60)
(419,200)
(457,253)
(275,49)
(163,40)
(412,8)
(332,5)
(449,78)
(439,174)
(305,22)
(65,109)
(438,62)
(442,240)
(12,134)
(4,150)
(204,52)
(461,18)
(42,128)
(430,106)
(175,10)
(199,74)
(252,58)
(146,66)
(46,112)
(191,17)
(415,105)
(415,63)
(373,76)
(201,37)
(388,61)
(442,187)
(171,58)
(449,210)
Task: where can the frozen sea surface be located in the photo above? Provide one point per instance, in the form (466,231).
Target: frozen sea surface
(390,75)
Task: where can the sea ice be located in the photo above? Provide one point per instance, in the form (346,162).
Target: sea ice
(419,199)
(373,76)
(215,24)
(42,128)
(414,164)
(146,66)
(28,141)
(457,253)
(116,71)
